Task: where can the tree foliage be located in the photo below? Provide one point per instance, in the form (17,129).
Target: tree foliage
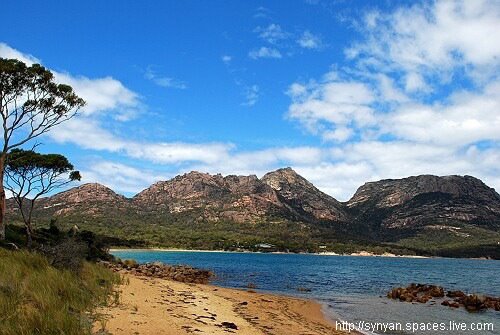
(31,104)
(30,175)
(32,101)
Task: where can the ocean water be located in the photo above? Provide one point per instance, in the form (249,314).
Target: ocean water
(353,288)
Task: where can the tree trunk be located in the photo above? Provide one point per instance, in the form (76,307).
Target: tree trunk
(2,199)
(29,236)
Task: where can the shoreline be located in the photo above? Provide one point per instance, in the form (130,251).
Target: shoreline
(358,254)
(151,306)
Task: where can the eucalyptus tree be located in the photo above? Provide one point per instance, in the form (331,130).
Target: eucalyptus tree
(30,175)
(31,104)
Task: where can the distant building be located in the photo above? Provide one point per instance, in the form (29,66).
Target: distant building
(265,246)
(322,247)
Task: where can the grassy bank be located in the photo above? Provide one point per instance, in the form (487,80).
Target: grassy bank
(36,298)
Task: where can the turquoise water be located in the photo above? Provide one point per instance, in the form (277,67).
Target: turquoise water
(352,288)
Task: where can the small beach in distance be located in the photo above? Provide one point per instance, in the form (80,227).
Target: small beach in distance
(325,253)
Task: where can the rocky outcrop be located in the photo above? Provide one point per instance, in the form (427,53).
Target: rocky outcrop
(422,293)
(416,293)
(213,197)
(88,199)
(181,273)
(304,198)
(424,200)
(279,194)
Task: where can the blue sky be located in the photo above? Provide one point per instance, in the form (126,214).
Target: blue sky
(344,92)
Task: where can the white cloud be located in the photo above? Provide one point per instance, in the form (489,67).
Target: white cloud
(163,81)
(226,59)
(432,41)
(88,133)
(264,52)
(465,118)
(108,94)
(389,91)
(100,94)
(343,106)
(339,134)
(251,95)
(272,33)
(407,106)
(8,52)
(177,152)
(414,82)
(338,179)
(261,13)
(120,177)
(372,18)
(389,116)
(262,161)
(309,41)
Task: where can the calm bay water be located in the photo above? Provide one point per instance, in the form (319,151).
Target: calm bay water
(351,288)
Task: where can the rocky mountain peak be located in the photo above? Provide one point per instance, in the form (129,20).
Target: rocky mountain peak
(304,197)
(187,186)
(426,199)
(393,192)
(285,176)
(88,193)
(245,185)
(90,199)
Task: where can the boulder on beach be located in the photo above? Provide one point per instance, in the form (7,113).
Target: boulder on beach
(181,273)
(422,293)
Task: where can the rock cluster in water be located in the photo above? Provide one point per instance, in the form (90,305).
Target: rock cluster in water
(181,273)
(423,293)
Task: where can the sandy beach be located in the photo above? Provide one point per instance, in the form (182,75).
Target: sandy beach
(324,253)
(151,306)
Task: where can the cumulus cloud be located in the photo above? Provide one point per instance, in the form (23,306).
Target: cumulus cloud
(100,94)
(89,134)
(429,41)
(262,161)
(464,118)
(120,177)
(404,107)
(335,109)
(264,52)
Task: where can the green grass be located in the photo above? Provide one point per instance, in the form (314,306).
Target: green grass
(36,298)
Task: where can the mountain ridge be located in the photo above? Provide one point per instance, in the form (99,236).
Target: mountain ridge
(283,206)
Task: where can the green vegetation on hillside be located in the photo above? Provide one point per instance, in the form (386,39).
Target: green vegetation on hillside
(129,231)
(186,231)
(37,298)
(459,240)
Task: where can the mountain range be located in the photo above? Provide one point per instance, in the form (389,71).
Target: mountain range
(431,215)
